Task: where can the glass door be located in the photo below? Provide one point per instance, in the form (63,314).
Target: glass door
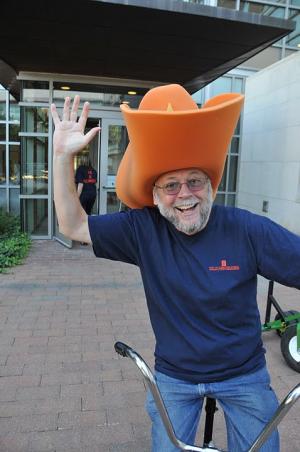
(114,140)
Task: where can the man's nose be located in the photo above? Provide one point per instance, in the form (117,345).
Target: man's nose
(184,190)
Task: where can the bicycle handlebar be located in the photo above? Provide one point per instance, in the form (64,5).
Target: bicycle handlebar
(126,351)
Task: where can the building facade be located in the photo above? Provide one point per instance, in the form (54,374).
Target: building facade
(26,131)
(269,177)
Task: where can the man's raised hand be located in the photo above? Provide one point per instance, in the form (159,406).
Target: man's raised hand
(69,138)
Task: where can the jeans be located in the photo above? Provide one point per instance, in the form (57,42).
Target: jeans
(248,403)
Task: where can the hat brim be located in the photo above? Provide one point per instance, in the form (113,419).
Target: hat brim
(164,141)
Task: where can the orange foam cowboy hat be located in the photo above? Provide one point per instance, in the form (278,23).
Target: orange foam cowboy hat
(169,132)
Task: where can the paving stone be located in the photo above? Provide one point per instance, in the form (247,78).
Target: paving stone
(72,392)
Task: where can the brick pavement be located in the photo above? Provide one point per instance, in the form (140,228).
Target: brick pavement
(62,386)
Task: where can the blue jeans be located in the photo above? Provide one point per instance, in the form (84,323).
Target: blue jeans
(248,403)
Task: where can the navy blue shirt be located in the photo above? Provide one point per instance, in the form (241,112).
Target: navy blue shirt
(201,289)
(87,176)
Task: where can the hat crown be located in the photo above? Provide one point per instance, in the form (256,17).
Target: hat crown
(168,98)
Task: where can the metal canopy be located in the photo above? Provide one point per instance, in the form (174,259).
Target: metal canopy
(161,41)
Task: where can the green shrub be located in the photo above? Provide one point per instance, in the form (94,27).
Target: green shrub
(9,224)
(14,244)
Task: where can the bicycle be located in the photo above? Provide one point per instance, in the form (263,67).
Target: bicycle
(126,351)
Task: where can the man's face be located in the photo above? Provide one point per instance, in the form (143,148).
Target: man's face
(187,205)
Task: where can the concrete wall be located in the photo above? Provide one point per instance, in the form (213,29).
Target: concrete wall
(270,147)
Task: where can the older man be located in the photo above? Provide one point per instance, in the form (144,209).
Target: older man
(199,263)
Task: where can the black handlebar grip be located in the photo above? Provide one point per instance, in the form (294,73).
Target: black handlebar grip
(121,348)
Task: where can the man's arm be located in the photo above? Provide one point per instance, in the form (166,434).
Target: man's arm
(68,140)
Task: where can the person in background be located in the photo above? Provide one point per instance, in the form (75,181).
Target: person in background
(86,180)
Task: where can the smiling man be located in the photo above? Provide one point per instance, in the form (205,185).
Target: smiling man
(186,204)
(199,264)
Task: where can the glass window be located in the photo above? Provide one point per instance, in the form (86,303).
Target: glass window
(227,4)
(98,96)
(35,216)
(2,132)
(34,165)
(14,164)
(14,201)
(14,109)
(221,85)
(2,104)
(234,147)
(230,200)
(2,164)
(35,119)
(117,142)
(262,8)
(237,85)
(295,2)
(3,203)
(293,39)
(14,132)
(238,127)
(220,199)
(232,173)
(113,202)
(34,91)
(198,97)
(222,186)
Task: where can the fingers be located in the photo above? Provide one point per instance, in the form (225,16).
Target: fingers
(91,134)
(74,111)
(54,114)
(84,115)
(66,111)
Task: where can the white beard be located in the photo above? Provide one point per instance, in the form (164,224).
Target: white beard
(189,228)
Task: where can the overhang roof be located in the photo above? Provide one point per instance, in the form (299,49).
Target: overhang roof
(160,41)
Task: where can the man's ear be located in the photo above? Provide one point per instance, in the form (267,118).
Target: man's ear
(155,197)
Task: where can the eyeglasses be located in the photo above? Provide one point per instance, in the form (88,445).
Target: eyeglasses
(173,188)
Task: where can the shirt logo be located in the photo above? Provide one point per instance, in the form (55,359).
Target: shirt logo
(224,266)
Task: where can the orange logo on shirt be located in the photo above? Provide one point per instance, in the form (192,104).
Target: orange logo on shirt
(224,266)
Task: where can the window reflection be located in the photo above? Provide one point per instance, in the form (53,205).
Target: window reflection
(35,91)
(2,132)
(233,173)
(2,104)
(221,85)
(2,164)
(262,8)
(293,39)
(227,4)
(14,201)
(14,109)
(35,119)
(35,165)
(222,186)
(14,164)
(117,143)
(113,203)
(220,199)
(14,132)
(35,216)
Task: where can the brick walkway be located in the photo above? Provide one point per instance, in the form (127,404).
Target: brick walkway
(62,386)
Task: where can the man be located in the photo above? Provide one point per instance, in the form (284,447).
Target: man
(199,263)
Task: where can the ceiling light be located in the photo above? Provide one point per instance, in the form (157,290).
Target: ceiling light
(66,88)
(132,93)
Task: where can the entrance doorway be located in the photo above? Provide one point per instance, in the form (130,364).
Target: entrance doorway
(105,152)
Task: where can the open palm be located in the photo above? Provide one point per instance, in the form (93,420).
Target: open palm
(69,136)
